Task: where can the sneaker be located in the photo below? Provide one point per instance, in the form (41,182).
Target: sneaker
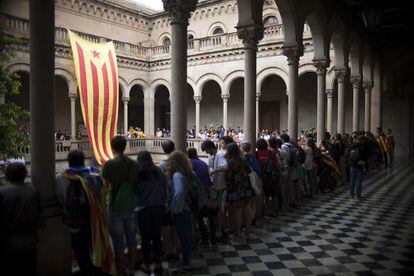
(145,268)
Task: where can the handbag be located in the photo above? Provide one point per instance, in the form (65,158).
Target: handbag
(255,182)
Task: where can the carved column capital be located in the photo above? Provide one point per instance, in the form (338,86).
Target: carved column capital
(321,66)
(341,75)
(292,53)
(356,82)
(197,99)
(179,10)
(125,99)
(258,95)
(225,97)
(250,35)
(73,96)
(367,86)
(329,93)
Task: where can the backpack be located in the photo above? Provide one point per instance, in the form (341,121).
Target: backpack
(124,199)
(354,156)
(294,156)
(76,204)
(270,172)
(301,154)
(196,195)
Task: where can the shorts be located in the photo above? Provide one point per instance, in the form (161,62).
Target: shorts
(122,229)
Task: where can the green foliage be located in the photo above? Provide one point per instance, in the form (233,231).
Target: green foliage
(12,117)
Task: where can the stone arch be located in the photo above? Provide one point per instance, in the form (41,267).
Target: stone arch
(140,82)
(355,56)
(306,68)
(289,12)
(319,34)
(123,86)
(228,80)
(70,79)
(262,75)
(337,34)
(16,67)
(204,79)
(156,83)
(162,37)
(367,66)
(214,26)
(192,84)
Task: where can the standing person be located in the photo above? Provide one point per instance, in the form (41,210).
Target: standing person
(283,197)
(239,190)
(18,220)
(309,168)
(257,202)
(391,144)
(358,159)
(180,176)
(339,156)
(268,161)
(119,176)
(293,162)
(169,236)
(150,190)
(200,169)
(79,191)
(383,145)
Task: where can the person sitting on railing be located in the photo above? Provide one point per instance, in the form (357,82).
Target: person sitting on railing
(158,133)
(78,135)
(140,133)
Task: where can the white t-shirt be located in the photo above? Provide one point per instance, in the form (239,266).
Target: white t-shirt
(219,178)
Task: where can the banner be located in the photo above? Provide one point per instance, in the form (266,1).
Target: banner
(97,77)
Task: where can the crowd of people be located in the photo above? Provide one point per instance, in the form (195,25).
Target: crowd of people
(183,201)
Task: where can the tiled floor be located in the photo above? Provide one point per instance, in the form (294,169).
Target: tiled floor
(331,234)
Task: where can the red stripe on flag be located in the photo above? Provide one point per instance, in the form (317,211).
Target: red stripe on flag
(95,86)
(115,95)
(84,90)
(106,106)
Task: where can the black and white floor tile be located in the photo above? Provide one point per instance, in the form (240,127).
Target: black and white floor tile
(330,234)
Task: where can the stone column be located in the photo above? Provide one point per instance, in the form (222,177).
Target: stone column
(149,116)
(53,247)
(197,100)
(225,98)
(321,66)
(72,97)
(125,100)
(257,113)
(180,13)
(340,78)
(356,83)
(2,98)
(293,54)
(329,96)
(367,110)
(250,34)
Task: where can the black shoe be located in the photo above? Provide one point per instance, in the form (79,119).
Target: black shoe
(145,268)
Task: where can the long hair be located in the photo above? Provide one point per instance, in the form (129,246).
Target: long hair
(146,167)
(234,153)
(178,162)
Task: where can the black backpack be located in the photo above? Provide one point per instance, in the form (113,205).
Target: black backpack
(270,170)
(301,154)
(354,156)
(76,204)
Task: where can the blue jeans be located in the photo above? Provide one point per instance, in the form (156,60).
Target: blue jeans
(182,223)
(122,227)
(356,181)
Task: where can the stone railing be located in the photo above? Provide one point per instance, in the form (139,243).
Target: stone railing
(20,27)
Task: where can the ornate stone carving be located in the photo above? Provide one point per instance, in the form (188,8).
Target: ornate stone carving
(198,99)
(329,93)
(341,75)
(292,53)
(250,35)
(225,97)
(125,99)
(179,10)
(367,86)
(321,65)
(73,96)
(356,82)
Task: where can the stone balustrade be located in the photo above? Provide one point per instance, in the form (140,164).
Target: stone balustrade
(20,26)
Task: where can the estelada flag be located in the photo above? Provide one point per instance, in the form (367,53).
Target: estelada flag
(97,77)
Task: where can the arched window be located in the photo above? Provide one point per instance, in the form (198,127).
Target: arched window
(270,20)
(218,31)
(190,36)
(166,41)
